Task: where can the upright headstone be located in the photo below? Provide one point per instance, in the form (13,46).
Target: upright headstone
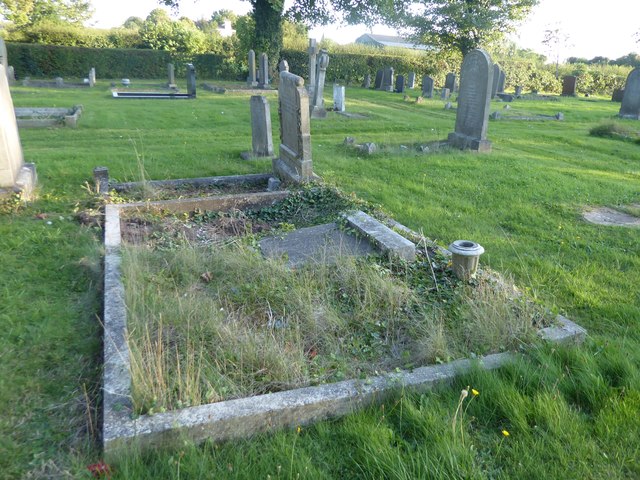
(496,78)
(318,110)
(4,61)
(400,84)
(518,90)
(451,82)
(630,107)
(283,66)
(387,79)
(427,86)
(617,95)
(366,83)
(11,75)
(377,84)
(445,93)
(263,81)
(569,84)
(59,82)
(191,80)
(14,174)
(294,162)
(251,78)
(171,76)
(474,99)
(261,139)
(92,77)
(411,80)
(501,81)
(313,63)
(338,98)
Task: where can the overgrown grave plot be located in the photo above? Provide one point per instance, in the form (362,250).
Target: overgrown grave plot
(209,319)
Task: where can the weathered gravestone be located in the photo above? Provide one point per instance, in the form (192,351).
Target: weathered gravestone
(400,84)
(496,77)
(377,84)
(263,81)
(318,110)
(445,94)
(367,81)
(11,74)
(283,66)
(294,163)
(427,86)
(518,91)
(451,82)
(15,176)
(92,77)
(171,75)
(569,85)
(474,99)
(313,64)
(501,81)
(631,100)
(387,79)
(411,80)
(338,98)
(617,95)
(191,80)
(251,78)
(261,139)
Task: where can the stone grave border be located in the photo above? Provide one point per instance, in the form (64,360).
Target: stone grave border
(43,117)
(241,418)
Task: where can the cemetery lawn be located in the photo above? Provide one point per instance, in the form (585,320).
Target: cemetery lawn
(557,412)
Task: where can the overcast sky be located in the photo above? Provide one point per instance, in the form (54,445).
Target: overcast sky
(594,27)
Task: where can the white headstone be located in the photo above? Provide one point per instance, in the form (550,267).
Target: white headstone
(338,98)
(11,159)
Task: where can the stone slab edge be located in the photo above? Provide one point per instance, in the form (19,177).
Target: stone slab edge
(382,236)
(243,417)
(253,178)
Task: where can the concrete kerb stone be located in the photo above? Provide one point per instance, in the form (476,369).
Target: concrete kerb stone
(244,417)
(251,179)
(382,236)
(43,117)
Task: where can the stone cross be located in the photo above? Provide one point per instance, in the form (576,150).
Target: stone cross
(263,81)
(496,77)
(451,82)
(411,80)
(283,66)
(251,79)
(313,63)
(318,110)
(569,85)
(171,75)
(427,86)
(400,84)
(294,162)
(474,99)
(630,107)
(92,77)
(191,80)
(261,137)
(377,84)
(338,98)
(387,79)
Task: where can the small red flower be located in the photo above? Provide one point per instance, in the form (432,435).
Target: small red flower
(100,470)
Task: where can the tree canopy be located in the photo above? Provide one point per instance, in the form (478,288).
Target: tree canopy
(30,12)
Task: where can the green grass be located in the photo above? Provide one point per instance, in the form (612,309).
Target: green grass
(571,413)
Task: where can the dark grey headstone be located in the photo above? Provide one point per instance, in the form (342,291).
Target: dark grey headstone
(263,81)
(427,86)
(261,138)
(617,95)
(251,78)
(518,91)
(496,77)
(501,81)
(474,99)
(630,107)
(400,84)
(387,79)
(569,86)
(191,80)
(505,97)
(317,106)
(377,84)
(451,82)
(411,80)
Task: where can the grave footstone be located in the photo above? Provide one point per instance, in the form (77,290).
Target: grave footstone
(261,137)
(427,86)
(496,77)
(451,82)
(474,99)
(14,174)
(251,78)
(445,94)
(313,63)
(617,95)
(387,79)
(501,81)
(191,80)
(630,107)
(263,81)
(569,85)
(377,84)
(318,110)
(400,84)
(367,81)
(294,162)
(411,80)
(338,98)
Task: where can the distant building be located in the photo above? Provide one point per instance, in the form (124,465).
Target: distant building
(225,29)
(382,41)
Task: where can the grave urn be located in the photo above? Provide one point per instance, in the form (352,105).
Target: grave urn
(465,256)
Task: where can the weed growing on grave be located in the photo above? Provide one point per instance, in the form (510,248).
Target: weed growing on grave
(616,131)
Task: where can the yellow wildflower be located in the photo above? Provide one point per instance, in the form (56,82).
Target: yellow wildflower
(505,433)
(475,392)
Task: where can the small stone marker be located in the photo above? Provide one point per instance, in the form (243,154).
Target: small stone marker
(251,78)
(496,77)
(382,236)
(171,76)
(445,94)
(617,95)
(518,91)
(283,66)
(294,164)
(313,63)
(338,98)
(474,99)
(101,178)
(261,137)
(569,85)
(318,110)
(11,75)
(377,84)
(92,77)
(427,86)
(59,82)
(400,84)
(501,81)
(367,81)
(387,79)
(451,82)
(630,107)
(411,80)
(263,81)
(191,80)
